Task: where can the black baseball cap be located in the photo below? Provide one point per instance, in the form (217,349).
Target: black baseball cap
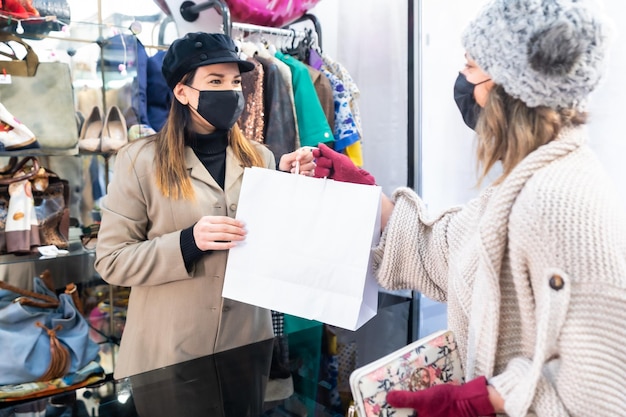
(196,50)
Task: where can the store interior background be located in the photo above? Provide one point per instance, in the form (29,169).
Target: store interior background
(406,92)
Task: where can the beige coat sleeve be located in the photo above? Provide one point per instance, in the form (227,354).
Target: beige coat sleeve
(125,254)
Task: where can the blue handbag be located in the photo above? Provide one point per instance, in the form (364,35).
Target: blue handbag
(42,336)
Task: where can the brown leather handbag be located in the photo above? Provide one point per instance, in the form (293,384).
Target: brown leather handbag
(51,196)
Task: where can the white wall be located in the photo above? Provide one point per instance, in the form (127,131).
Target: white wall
(448,170)
(608,105)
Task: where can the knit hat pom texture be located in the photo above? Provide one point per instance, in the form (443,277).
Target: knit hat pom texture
(543,52)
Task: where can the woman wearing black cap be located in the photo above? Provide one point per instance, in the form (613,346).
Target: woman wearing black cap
(533,270)
(168,219)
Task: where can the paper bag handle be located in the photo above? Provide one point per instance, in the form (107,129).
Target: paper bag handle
(31,59)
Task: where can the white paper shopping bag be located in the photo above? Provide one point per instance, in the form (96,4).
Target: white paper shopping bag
(308,248)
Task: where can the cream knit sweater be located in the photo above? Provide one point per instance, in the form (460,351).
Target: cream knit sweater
(534,275)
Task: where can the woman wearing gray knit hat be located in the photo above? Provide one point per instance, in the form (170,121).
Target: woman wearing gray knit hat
(534,269)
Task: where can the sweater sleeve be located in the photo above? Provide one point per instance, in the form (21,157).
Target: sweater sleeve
(413,250)
(189,248)
(586,375)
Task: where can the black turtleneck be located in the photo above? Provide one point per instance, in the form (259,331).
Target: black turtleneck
(211,151)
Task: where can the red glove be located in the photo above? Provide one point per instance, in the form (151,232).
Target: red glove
(339,167)
(446,400)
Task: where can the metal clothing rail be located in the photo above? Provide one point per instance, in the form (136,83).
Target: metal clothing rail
(248,28)
(190,11)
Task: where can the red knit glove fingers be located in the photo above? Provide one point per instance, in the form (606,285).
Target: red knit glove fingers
(321,172)
(367,178)
(339,167)
(468,400)
(323,166)
(429,402)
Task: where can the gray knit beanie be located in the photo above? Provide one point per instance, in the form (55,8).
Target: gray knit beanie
(544,52)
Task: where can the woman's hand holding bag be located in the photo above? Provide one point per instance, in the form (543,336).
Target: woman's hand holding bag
(339,167)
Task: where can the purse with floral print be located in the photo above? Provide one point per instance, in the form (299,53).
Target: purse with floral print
(429,361)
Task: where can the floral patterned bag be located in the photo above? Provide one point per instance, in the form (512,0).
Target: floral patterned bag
(429,361)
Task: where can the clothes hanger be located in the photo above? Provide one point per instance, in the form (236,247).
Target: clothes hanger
(301,50)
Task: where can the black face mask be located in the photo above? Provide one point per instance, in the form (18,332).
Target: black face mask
(221,108)
(465,100)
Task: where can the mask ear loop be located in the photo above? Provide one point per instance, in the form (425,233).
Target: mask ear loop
(482,82)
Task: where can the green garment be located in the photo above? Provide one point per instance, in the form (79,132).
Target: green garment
(312,123)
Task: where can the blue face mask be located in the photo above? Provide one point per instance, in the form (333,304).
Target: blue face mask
(221,108)
(465,100)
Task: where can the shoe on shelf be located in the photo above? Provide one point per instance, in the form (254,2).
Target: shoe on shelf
(114,131)
(14,135)
(89,140)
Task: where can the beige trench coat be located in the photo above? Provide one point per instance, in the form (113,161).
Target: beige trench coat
(173,315)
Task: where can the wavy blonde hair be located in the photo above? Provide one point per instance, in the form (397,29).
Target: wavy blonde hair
(508,130)
(172,177)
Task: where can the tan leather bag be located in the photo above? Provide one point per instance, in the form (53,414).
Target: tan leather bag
(40,95)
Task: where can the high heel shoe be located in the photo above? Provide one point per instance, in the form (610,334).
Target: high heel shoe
(90,132)
(114,132)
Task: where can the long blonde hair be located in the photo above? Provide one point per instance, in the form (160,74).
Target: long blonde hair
(508,130)
(172,177)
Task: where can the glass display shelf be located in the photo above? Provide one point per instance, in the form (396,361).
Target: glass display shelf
(229,383)
(76,266)
(75,250)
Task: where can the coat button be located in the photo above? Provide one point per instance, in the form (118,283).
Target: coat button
(556,282)
(225,309)
(233,207)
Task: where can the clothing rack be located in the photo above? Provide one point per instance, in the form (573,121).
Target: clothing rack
(190,11)
(248,28)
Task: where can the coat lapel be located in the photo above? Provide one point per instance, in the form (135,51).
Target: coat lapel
(234,170)
(197,170)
